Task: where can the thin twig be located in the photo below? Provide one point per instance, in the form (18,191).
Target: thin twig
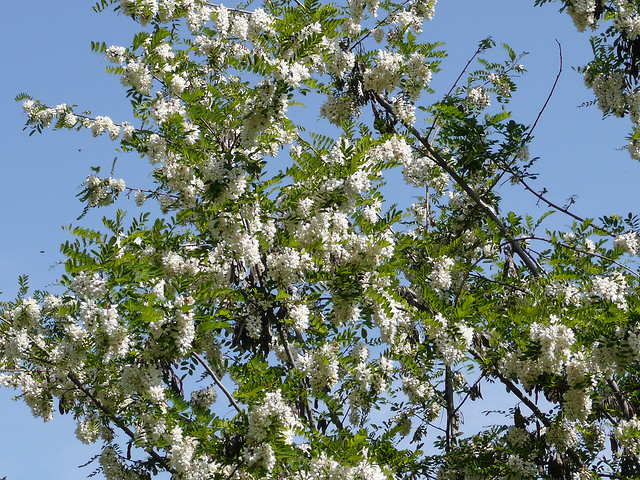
(498,282)
(555,83)
(378,24)
(454,86)
(544,106)
(217,381)
(477,382)
(584,252)
(564,210)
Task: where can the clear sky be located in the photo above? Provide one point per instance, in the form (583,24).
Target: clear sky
(46,53)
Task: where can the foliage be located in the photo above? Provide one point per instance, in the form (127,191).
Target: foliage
(276,317)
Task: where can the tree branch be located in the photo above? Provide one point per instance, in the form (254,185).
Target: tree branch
(553,88)
(217,381)
(527,401)
(117,421)
(442,163)
(584,252)
(291,360)
(624,404)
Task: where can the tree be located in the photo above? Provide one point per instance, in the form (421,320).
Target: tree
(275,317)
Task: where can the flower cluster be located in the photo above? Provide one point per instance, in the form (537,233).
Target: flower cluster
(628,242)
(102,124)
(610,91)
(555,340)
(451,339)
(440,275)
(612,289)
(385,75)
(274,412)
(102,191)
(627,19)
(583,14)
(321,367)
(325,468)
(479,97)
(628,434)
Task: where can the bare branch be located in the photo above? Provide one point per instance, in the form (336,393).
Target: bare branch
(217,381)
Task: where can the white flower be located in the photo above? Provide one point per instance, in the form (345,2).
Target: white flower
(590,246)
(140,198)
(404,111)
(164,51)
(287,266)
(612,289)
(101,124)
(577,404)
(583,14)
(221,20)
(378,35)
(297,74)
(417,390)
(321,367)
(299,314)
(181,450)
(479,97)
(628,434)
(338,109)
(198,15)
(273,411)
(440,275)
(178,83)
(137,75)
(385,74)
(163,109)
(90,287)
(555,340)
(116,54)
(156,148)
(628,242)
(87,431)
(610,92)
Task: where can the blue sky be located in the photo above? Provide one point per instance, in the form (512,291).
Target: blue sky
(47,54)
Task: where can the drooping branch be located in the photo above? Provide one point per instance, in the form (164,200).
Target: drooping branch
(113,418)
(117,421)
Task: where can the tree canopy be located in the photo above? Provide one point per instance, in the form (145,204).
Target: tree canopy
(272,314)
